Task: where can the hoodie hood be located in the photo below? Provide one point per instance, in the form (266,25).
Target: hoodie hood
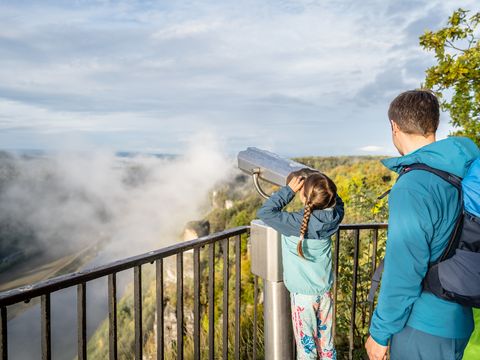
(453,155)
(324,222)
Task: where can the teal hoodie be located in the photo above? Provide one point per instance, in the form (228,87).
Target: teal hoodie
(312,275)
(423,210)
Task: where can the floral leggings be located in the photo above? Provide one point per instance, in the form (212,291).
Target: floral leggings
(312,325)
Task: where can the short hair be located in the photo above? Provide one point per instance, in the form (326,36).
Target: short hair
(415,112)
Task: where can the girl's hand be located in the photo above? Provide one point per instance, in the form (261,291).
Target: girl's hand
(296,183)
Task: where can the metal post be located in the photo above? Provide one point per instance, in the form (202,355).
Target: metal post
(267,264)
(278,321)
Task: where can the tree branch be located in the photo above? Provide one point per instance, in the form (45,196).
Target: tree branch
(450,45)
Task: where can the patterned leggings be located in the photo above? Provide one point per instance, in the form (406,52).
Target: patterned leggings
(312,325)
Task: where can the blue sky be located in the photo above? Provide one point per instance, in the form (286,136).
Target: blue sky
(296,77)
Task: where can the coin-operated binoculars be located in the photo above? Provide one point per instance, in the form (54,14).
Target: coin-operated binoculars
(266,253)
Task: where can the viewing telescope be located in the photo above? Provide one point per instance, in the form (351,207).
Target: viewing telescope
(265,165)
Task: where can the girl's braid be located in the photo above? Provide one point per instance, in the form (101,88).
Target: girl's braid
(303,229)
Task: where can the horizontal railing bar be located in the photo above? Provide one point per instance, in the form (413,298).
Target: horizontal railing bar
(61,282)
(365,226)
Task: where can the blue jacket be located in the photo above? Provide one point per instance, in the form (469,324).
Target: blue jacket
(313,275)
(423,210)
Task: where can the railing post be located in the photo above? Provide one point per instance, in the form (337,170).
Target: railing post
(137,304)
(225,297)
(180,306)
(336,258)
(196,303)
(82,321)
(351,335)
(238,285)
(211,301)
(112,316)
(374,267)
(3,334)
(267,263)
(160,321)
(45,327)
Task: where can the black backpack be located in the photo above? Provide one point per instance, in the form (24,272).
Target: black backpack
(455,276)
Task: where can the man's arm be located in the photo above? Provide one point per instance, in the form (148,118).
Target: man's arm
(406,263)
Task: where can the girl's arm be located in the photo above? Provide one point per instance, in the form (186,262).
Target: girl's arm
(271,213)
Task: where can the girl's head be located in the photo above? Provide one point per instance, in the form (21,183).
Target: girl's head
(318,192)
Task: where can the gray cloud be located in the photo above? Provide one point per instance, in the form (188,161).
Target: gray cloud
(383,88)
(104,68)
(431,21)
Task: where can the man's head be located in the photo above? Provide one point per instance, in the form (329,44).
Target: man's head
(414,116)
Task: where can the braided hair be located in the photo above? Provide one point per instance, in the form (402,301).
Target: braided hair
(320,193)
(304,227)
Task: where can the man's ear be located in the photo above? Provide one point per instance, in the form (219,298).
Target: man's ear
(395,127)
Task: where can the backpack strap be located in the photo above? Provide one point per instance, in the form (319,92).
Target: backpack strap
(450,178)
(377,276)
(454,237)
(457,183)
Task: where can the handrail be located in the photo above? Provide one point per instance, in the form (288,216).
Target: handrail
(25,293)
(363,226)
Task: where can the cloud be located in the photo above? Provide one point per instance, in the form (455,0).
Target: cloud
(371,148)
(174,68)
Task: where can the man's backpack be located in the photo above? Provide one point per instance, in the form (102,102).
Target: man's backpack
(455,276)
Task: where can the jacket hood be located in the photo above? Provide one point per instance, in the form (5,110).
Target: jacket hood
(453,154)
(324,222)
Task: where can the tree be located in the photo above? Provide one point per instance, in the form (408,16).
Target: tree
(456,76)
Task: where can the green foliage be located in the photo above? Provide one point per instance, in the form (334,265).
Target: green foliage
(327,163)
(359,185)
(457,51)
(472,351)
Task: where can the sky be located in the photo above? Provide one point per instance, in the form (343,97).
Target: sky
(295,77)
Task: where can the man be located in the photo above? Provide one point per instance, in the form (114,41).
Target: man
(423,209)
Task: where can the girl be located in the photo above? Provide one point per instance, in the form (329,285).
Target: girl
(307,257)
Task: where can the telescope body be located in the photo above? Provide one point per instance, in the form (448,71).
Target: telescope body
(267,165)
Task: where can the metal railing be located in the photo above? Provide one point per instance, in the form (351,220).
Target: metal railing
(80,279)
(371,245)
